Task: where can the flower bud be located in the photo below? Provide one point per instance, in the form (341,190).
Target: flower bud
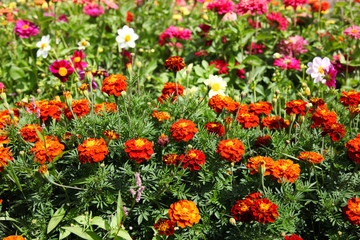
(43,170)
(292,117)
(232,221)
(123,93)
(277,55)
(189,68)
(189,147)
(274,101)
(308,106)
(18,91)
(283,234)
(277,91)
(38,90)
(68,98)
(287,142)
(88,77)
(301,119)
(138,64)
(141,50)
(163,140)
(152,50)
(261,168)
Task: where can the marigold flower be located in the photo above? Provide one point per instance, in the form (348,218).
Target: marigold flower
(353,149)
(111,134)
(61,69)
(171,159)
(296,107)
(255,162)
(311,157)
(262,141)
(231,150)
(4,137)
(108,107)
(215,127)
(92,150)
(183,130)
(5,156)
(274,123)
(5,118)
(13,237)
(184,213)
(174,64)
(353,111)
(79,107)
(139,149)
(160,116)
(293,237)
(264,211)
(169,89)
(260,107)
(51,109)
(317,103)
(28,132)
(43,169)
(193,160)
(218,103)
(351,211)
(247,120)
(350,98)
(286,169)
(114,84)
(334,130)
(163,140)
(53,149)
(241,211)
(165,226)
(323,117)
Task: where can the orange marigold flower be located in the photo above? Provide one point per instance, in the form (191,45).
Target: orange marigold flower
(247,120)
(193,160)
(174,64)
(79,107)
(231,150)
(184,213)
(28,132)
(253,196)
(216,128)
(264,211)
(165,226)
(111,134)
(4,137)
(352,211)
(108,107)
(219,102)
(53,149)
(353,110)
(5,118)
(350,98)
(43,169)
(353,149)
(183,130)
(171,159)
(92,150)
(262,141)
(169,90)
(334,130)
(51,109)
(311,157)
(293,237)
(255,163)
(139,149)
(114,84)
(286,169)
(322,117)
(296,107)
(274,123)
(260,107)
(317,103)
(241,211)
(160,116)
(13,237)
(5,156)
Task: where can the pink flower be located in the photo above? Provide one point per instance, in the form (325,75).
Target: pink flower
(221,65)
(353,31)
(240,72)
(77,60)
(61,69)
(63,18)
(293,46)
(278,21)
(287,63)
(25,29)
(330,75)
(174,32)
(254,24)
(229,17)
(221,6)
(294,3)
(93,10)
(255,49)
(253,6)
(342,67)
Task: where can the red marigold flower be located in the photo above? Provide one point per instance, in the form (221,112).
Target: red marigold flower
(322,117)
(169,89)
(296,107)
(260,107)
(274,123)
(241,211)
(262,141)
(165,226)
(317,103)
(174,64)
(51,109)
(350,98)
(13,237)
(53,149)
(183,130)
(353,149)
(114,84)
(5,118)
(353,111)
(4,137)
(193,160)
(247,120)
(163,140)
(311,157)
(139,149)
(111,135)
(215,127)
(351,211)
(264,211)
(43,169)
(160,116)
(107,107)
(221,65)
(79,107)
(219,102)
(61,69)
(334,130)
(278,21)
(184,213)
(293,237)
(286,169)
(255,163)
(231,150)
(92,150)
(5,156)
(253,196)
(171,159)
(28,132)
(77,60)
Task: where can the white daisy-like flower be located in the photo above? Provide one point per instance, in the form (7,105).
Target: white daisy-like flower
(217,85)
(126,37)
(44,46)
(83,44)
(317,69)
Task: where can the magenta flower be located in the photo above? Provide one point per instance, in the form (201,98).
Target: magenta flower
(61,69)
(93,10)
(293,46)
(25,29)
(221,65)
(253,6)
(287,63)
(174,32)
(294,3)
(221,6)
(278,21)
(353,31)
(330,75)
(255,48)
(77,60)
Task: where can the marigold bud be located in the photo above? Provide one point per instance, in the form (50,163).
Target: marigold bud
(18,91)
(189,147)
(123,93)
(283,234)
(189,68)
(138,64)
(308,106)
(43,170)
(301,119)
(68,98)
(163,140)
(232,221)
(292,117)
(274,101)
(261,168)
(38,90)
(276,55)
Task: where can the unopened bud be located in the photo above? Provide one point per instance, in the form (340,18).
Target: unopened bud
(189,147)
(38,90)
(152,50)
(292,117)
(243,95)
(283,234)
(123,93)
(261,168)
(276,55)
(274,101)
(138,64)
(287,142)
(149,104)
(189,68)
(102,165)
(141,50)
(68,98)
(301,119)
(277,91)
(18,91)
(308,106)
(236,98)
(232,221)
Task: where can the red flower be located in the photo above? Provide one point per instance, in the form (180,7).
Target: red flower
(115,84)
(254,163)
(264,211)
(322,117)
(316,5)
(165,226)
(139,149)
(260,107)
(28,132)
(334,130)
(278,21)
(5,156)
(92,150)
(183,130)
(247,120)
(241,211)
(174,64)
(193,160)
(311,157)
(296,107)
(350,98)
(80,108)
(293,237)
(169,89)
(231,150)
(77,60)
(219,102)
(221,65)
(262,141)
(353,149)
(286,169)
(129,17)
(215,127)
(53,149)
(171,159)
(61,69)
(274,123)
(352,211)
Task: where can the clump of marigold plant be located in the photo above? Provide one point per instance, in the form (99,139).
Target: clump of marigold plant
(296,107)
(334,130)
(311,157)
(260,107)
(28,132)
(254,163)
(184,213)
(351,211)
(79,107)
(165,226)
(322,117)
(171,159)
(231,150)
(174,64)
(247,119)
(92,150)
(114,84)
(286,169)
(193,160)
(5,156)
(183,130)
(262,141)
(169,90)
(216,128)
(139,149)
(105,107)
(14,237)
(353,149)
(160,116)
(274,123)
(53,149)
(219,102)
(264,211)
(350,98)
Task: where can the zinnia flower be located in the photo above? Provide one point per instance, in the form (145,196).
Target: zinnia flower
(193,160)
(44,46)
(334,130)
(92,150)
(286,169)
(83,44)
(353,149)
(296,107)
(184,213)
(254,163)
(221,6)
(126,37)
(253,6)
(28,132)
(231,150)
(221,65)
(53,149)
(216,128)
(278,21)
(174,32)
(351,211)
(216,84)
(353,31)
(174,64)
(25,29)
(165,226)
(183,130)
(61,69)
(5,156)
(311,157)
(139,149)
(315,6)
(93,10)
(264,211)
(114,84)
(287,63)
(293,46)
(77,60)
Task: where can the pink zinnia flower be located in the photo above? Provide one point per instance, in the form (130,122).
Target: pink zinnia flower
(255,48)
(77,60)
(293,46)
(254,24)
(294,3)
(329,77)
(253,6)
(278,21)
(93,10)
(221,65)
(61,69)
(221,6)
(174,32)
(287,63)
(342,67)
(353,31)
(25,29)
(229,17)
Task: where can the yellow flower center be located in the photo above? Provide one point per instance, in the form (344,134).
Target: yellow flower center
(43,45)
(77,59)
(127,38)
(139,143)
(264,207)
(192,155)
(24,27)
(163,227)
(63,71)
(183,124)
(84,43)
(321,70)
(90,144)
(354,31)
(229,144)
(216,87)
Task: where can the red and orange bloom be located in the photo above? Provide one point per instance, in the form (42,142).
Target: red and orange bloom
(43,169)
(241,211)
(169,90)
(311,157)
(317,103)
(350,98)
(5,156)
(262,141)
(114,84)
(184,213)
(5,118)
(247,120)
(334,130)
(160,116)
(219,102)
(13,237)
(53,149)
(264,211)
(322,117)
(79,107)
(255,163)
(4,137)
(352,211)
(77,60)
(174,64)
(231,150)
(183,130)
(293,237)
(51,109)
(28,132)
(260,107)
(286,169)
(139,149)
(165,226)
(353,149)
(92,150)
(274,123)
(61,69)
(163,140)
(216,128)
(171,159)
(193,160)
(105,107)
(296,107)
(111,134)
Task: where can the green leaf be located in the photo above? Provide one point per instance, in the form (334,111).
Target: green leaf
(341,4)
(12,175)
(16,73)
(80,233)
(60,155)
(253,60)
(98,221)
(119,211)
(124,235)
(263,36)
(64,234)
(56,219)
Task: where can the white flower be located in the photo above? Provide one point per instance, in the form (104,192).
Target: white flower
(217,85)
(83,44)
(317,69)
(126,37)
(44,46)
